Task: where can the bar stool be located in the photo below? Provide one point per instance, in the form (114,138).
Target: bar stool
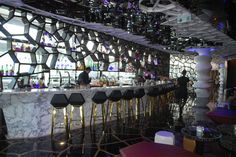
(172,92)
(113,98)
(76,101)
(99,97)
(59,101)
(139,94)
(163,96)
(152,99)
(127,96)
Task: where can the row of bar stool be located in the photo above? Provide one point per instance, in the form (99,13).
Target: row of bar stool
(76,100)
(60,101)
(159,96)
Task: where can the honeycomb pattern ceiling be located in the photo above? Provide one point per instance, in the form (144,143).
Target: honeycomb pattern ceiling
(190,32)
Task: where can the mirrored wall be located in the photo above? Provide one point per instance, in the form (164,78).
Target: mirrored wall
(37,46)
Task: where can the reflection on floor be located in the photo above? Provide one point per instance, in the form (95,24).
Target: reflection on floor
(90,142)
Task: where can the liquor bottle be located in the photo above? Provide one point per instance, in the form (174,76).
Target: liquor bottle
(27,47)
(51,43)
(95,66)
(149,59)
(17,47)
(43,40)
(22,48)
(11,71)
(73,46)
(13,46)
(57,64)
(6,70)
(1,71)
(47,39)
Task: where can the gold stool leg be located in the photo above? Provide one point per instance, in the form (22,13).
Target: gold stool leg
(53,121)
(128,102)
(143,106)
(124,110)
(150,105)
(118,110)
(66,122)
(82,116)
(153,105)
(104,116)
(137,108)
(91,115)
(94,114)
(111,109)
(71,116)
(131,108)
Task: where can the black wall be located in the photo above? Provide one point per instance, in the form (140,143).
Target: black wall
(231,73)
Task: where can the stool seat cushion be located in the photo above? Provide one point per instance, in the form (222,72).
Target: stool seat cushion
(159,91)
(99,97)
(59,101)
(115,95)
(128,94)
(153,92)
(139,93)
(165,137)
(76,99)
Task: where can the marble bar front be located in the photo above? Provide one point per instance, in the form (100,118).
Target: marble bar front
(28,113)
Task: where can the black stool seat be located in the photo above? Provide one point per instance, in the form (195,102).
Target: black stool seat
(168,88)
(153,92)
(163,91)
(115,95)
(128,94)
(157,91)
(173,87)
(59,101)
(139,93)
(76,99)
(99,97)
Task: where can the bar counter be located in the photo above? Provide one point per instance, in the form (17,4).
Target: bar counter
(28,113)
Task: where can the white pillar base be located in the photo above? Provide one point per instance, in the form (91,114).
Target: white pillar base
(202,86)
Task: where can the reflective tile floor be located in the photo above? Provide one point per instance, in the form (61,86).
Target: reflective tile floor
(93,142)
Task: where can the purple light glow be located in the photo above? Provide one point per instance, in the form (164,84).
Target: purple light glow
(201,51)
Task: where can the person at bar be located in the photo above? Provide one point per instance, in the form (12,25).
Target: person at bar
(140,79)
(83,79)
(182,93)
(41,82)
(231,99)
(148,75)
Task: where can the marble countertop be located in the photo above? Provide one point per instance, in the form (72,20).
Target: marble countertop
(19,91)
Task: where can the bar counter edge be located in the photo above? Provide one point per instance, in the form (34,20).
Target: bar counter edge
(28,113)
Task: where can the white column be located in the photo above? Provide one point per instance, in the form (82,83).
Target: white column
(203,84)
(221,87)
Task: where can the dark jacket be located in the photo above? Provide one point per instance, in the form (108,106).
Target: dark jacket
(84,78)
(182,90)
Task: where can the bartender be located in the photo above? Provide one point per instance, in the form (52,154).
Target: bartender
(148,75)
(84,79)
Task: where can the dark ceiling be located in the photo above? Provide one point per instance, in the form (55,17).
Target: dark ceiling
(125,14)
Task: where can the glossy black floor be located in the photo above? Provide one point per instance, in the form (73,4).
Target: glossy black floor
(90,142)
